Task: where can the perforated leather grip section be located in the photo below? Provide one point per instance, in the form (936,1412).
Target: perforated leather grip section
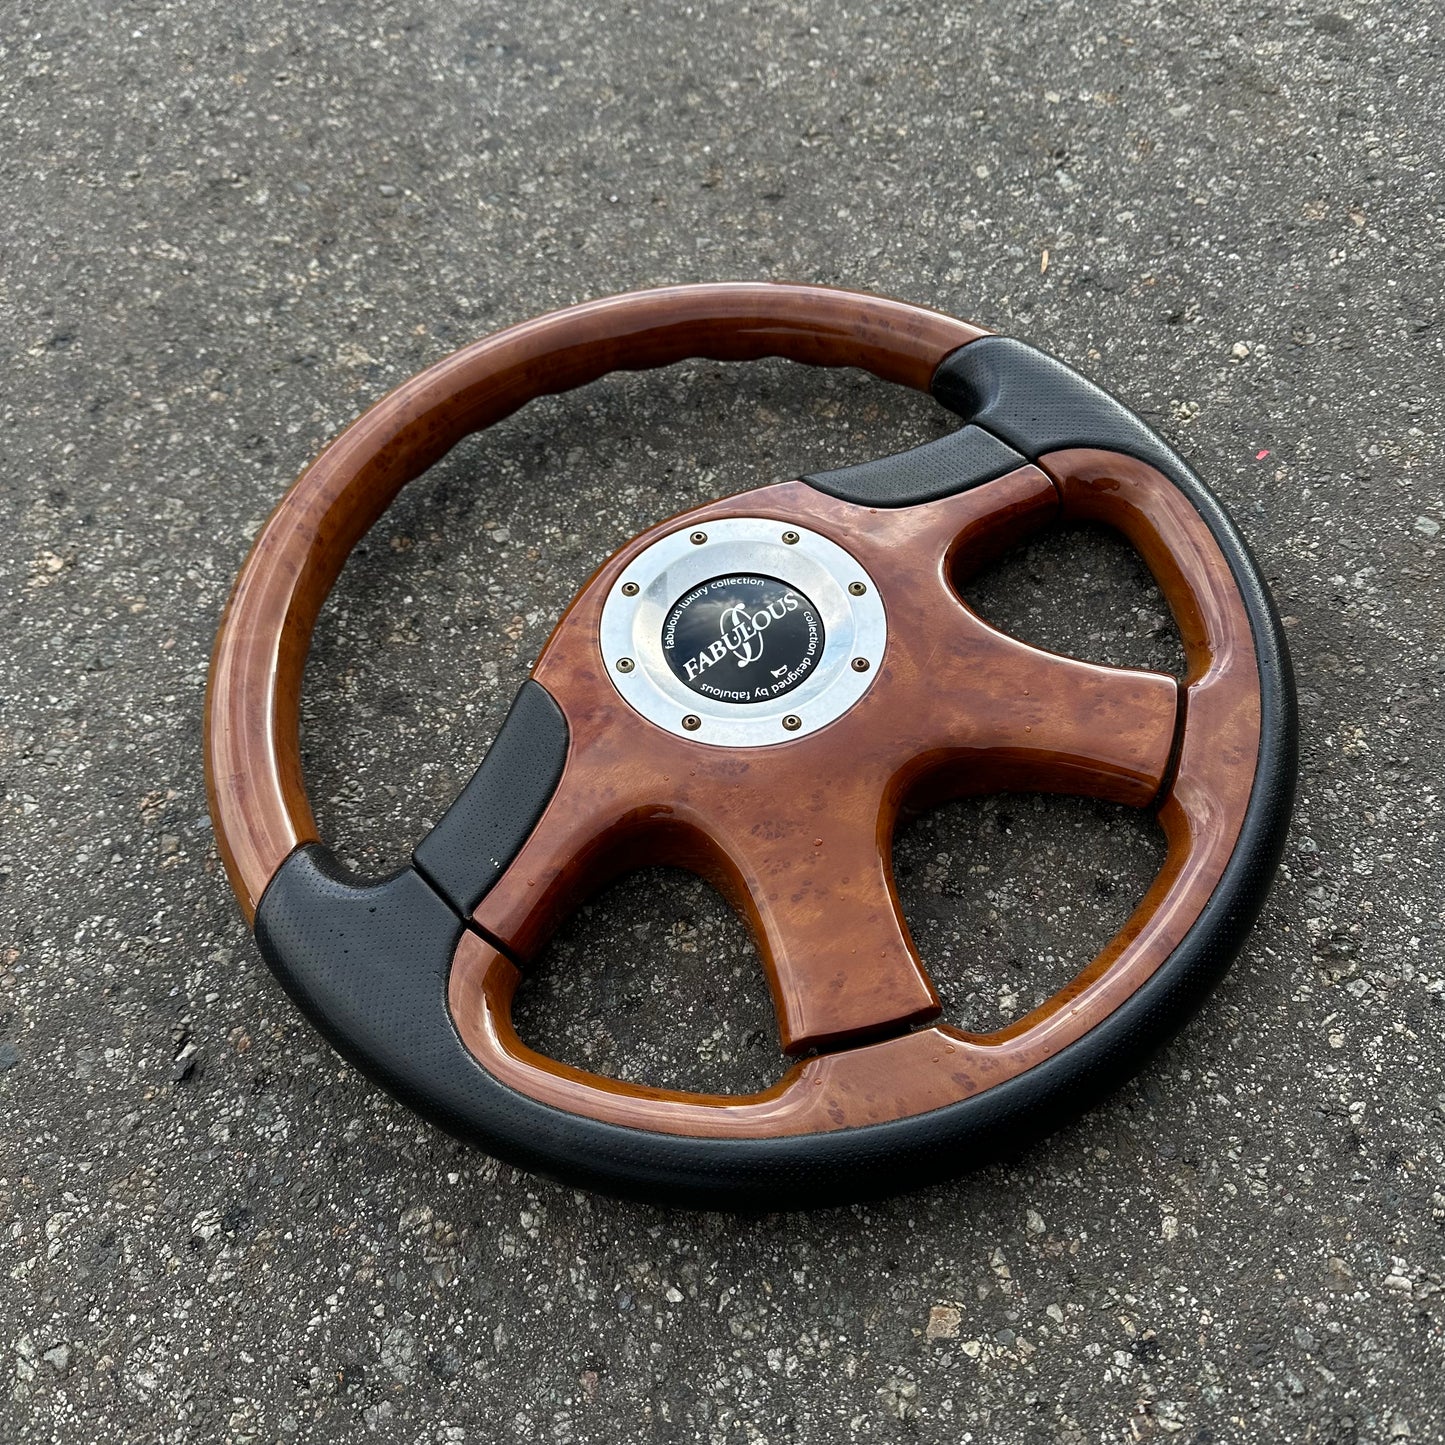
(1018,404)
(469,849)
(963,459)
(367,962)
(1037,404)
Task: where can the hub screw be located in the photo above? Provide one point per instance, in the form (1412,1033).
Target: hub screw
(625,664)
(860,664)
(792,722)
(698,538)
(629,589)
(692,722)
(857,588)
(791,538)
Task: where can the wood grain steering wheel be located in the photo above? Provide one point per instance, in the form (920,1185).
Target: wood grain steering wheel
(753,690)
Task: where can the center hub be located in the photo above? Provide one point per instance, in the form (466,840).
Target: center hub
(742,632)
(742,638)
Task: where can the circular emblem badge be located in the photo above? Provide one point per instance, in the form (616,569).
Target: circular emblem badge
(742,638)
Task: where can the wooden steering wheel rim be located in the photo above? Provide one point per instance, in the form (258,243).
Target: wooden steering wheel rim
(1213,754)
(253,741)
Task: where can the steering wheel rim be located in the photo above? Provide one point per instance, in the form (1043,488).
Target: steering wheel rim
(412,977)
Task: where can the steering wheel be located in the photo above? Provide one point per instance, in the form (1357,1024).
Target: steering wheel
(753,690)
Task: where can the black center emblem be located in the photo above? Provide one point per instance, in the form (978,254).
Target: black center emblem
(742,638)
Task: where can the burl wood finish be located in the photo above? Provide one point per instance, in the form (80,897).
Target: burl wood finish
(868,1084)
(252,743)
(799,835)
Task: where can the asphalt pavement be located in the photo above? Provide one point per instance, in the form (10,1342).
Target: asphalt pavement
(226,229)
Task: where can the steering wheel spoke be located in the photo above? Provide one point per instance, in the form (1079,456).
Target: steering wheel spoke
(1025,718)
(819,890)
(804,857)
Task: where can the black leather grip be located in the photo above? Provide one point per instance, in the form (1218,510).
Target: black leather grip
(482,831)
(369,961)
(965,458)
(1037,405)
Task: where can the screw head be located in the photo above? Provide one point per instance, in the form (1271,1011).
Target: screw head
(629,589)
(698,538)
(692,722)
(791,538)
(857,588)
(625,664)
(861,664)
(792,722)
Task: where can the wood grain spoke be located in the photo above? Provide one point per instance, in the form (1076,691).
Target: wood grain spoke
(802,862)
(798,835)
(1035,720)
(814,864)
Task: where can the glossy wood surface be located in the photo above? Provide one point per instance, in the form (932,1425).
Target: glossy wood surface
(868,1084)
(799,834)
(802,847)
(252,743)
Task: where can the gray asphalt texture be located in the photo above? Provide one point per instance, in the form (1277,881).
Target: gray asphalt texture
(226,229)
